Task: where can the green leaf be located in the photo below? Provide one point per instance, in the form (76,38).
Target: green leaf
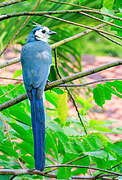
(23,133)
(62,107)
(64,173)
(104,92)
(52,97)
(17,73)
(117,4)
(108,4)
(99,95)
(119,23)
(98,154)
(5,177)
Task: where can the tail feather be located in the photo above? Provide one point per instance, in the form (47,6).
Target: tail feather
(38,126)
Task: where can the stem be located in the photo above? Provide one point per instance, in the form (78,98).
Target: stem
(61,81)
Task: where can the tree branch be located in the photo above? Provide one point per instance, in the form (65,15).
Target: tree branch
(33,171)
(101,20)
(43,13)
(93,17)
(116,42)
(62,81)
(10,2)
(15,79)
(66,3)
(55,45)
(25,171)
(84,26)
(40,13)
(87,9)
(10,62)
(77,166)
(89,83)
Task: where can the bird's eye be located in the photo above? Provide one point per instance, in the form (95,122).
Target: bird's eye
(43,31)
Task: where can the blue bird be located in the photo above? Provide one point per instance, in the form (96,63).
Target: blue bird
(36,58)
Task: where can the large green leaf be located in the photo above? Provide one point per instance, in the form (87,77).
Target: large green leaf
(103,92)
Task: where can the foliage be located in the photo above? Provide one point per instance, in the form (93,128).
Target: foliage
(104,92)
(66,141)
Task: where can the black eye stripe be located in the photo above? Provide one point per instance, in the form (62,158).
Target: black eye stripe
(43,31)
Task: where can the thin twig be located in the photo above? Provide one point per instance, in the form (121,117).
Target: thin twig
(89,83)
(98,175)
(15,79)
(93,17)
(13,177)
(101,20)
(61,81)
(10,3)
(69,162)
(70,95)
(82,25)
(114,41)
(78,166)
(66,3)
(87,9)
(19,29)
(10,90)
(40,13)
(29,171)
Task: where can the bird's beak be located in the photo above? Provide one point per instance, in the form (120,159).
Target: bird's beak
(51,32)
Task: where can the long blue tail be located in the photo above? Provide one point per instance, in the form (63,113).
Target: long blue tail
(38,126)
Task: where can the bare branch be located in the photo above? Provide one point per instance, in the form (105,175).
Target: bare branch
(85,73)
(110,39)
(66,3)
(25,171)
(87,9)
(62,81)
(11,79)
(89,83)
(82,25)
(9,62)
(10,2)
(77,166)
(40,13)
(98,19)
(33,171)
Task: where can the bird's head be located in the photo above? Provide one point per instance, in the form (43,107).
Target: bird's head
(40,33)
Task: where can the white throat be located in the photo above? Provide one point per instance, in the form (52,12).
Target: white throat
(39,35)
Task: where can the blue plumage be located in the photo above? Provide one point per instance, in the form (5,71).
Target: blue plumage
(36,59)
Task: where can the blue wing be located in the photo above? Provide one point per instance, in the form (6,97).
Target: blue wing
(36,59)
